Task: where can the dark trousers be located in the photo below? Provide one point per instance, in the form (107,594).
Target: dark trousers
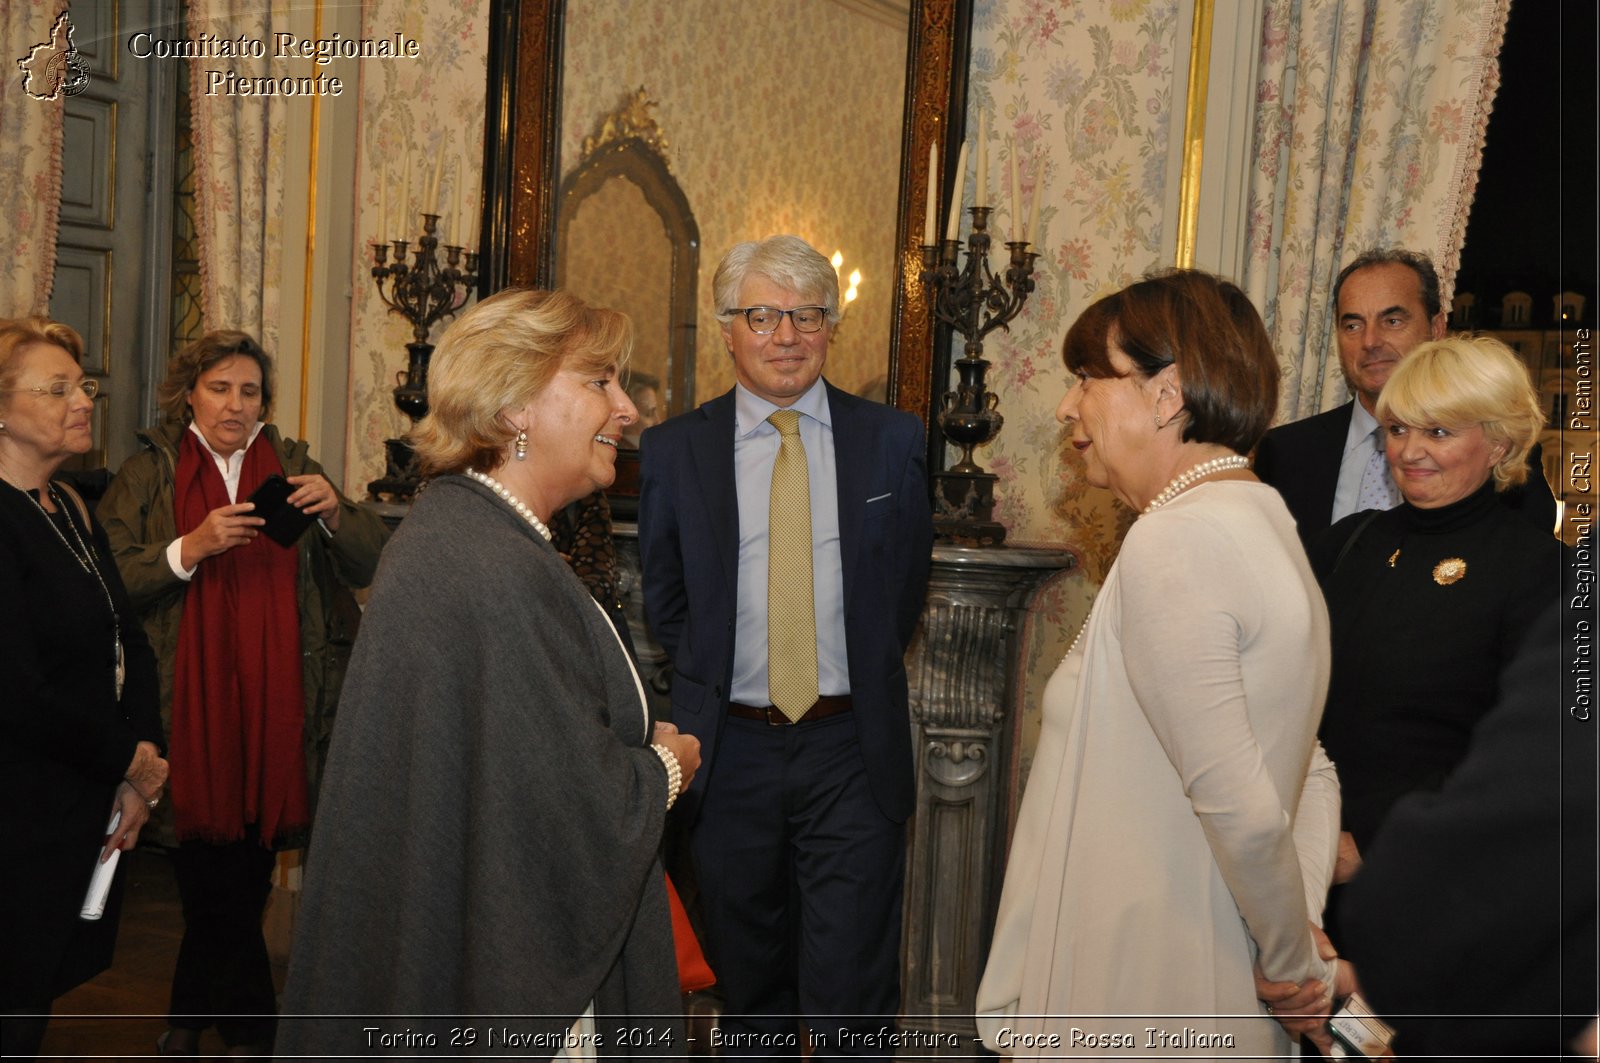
(800,879)
(223,974)
(22,1030)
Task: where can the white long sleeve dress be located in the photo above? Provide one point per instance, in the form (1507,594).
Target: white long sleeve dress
(1180,816)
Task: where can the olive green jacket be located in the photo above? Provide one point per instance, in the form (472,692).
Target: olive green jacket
(139,515)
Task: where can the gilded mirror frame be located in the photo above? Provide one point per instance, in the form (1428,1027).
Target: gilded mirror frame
(521,177)
(637,162)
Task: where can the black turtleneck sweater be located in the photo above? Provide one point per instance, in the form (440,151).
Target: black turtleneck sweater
(1424,609)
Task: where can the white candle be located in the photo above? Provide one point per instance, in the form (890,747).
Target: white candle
(431,205)
(405,198)
(931,212)
(980,194)
(383,206)
(458,224)
(1038,193)
(474,211)
(952,228)
(1016,217)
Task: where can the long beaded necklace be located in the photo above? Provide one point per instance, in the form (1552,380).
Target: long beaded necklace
(84,555)
(1188,478)
(511,500)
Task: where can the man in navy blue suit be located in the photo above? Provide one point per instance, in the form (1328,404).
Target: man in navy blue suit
(1329,466)
(798,812)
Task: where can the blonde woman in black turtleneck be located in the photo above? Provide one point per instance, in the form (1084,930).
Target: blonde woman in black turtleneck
(1428,602)
(1428,599)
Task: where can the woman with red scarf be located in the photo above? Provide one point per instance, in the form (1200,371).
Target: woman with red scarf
(252,637)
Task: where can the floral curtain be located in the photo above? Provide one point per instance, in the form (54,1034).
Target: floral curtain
(239,151)
(30,164)
(1083,95)
(1369,132)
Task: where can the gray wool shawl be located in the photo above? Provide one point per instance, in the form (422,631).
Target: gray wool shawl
(490,813)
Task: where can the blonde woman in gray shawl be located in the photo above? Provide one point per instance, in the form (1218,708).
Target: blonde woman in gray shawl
(495,793)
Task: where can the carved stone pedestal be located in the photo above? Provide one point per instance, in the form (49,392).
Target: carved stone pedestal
(965,668)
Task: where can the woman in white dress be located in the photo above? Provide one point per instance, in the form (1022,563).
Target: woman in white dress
(1180,821)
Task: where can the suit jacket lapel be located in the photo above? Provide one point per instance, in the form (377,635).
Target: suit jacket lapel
(711,447)
(1330,456)
(852,464)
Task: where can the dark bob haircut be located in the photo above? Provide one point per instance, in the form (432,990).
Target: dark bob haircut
(1207,328)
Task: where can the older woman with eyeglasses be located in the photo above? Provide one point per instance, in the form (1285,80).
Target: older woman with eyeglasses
(252,636)
(81,740)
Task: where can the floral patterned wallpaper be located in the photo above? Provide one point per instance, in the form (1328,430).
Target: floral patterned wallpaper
(428,106)
(1084,90)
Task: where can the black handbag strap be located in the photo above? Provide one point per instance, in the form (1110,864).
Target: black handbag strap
(1355,534)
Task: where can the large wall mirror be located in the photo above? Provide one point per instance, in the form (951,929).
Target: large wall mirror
(756,146)
(626,238)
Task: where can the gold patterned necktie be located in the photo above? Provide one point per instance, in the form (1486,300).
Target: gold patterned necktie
(791,607)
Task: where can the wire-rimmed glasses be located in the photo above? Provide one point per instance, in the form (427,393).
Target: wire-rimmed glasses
(57,389)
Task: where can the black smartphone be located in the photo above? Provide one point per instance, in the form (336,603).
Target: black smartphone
(285,522)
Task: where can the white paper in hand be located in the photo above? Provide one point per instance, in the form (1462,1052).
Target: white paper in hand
(94,902)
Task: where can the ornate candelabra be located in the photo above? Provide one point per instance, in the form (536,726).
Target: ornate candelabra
(424,292)
(973,301)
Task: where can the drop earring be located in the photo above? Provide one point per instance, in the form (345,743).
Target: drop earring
(522,444)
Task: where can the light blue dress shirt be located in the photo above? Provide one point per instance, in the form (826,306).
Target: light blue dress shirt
(755,450)
(1357,452)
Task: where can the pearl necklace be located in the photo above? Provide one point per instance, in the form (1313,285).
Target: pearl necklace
(511,500)
(1079,636)
(1185,480)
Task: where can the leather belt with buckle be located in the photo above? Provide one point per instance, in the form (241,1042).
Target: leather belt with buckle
(827,705)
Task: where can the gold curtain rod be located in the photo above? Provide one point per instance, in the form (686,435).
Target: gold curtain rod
(1194,132)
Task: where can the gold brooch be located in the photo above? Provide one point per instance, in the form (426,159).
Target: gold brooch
(1394,557)
(1448,571)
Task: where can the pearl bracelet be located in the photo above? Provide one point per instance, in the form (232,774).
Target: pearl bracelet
(669,760)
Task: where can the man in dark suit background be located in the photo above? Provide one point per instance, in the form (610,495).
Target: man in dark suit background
(799,698)
(1331,465)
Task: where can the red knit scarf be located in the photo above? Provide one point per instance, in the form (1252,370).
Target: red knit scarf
(238,704)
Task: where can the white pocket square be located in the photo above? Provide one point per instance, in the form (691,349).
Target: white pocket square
(878,498)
